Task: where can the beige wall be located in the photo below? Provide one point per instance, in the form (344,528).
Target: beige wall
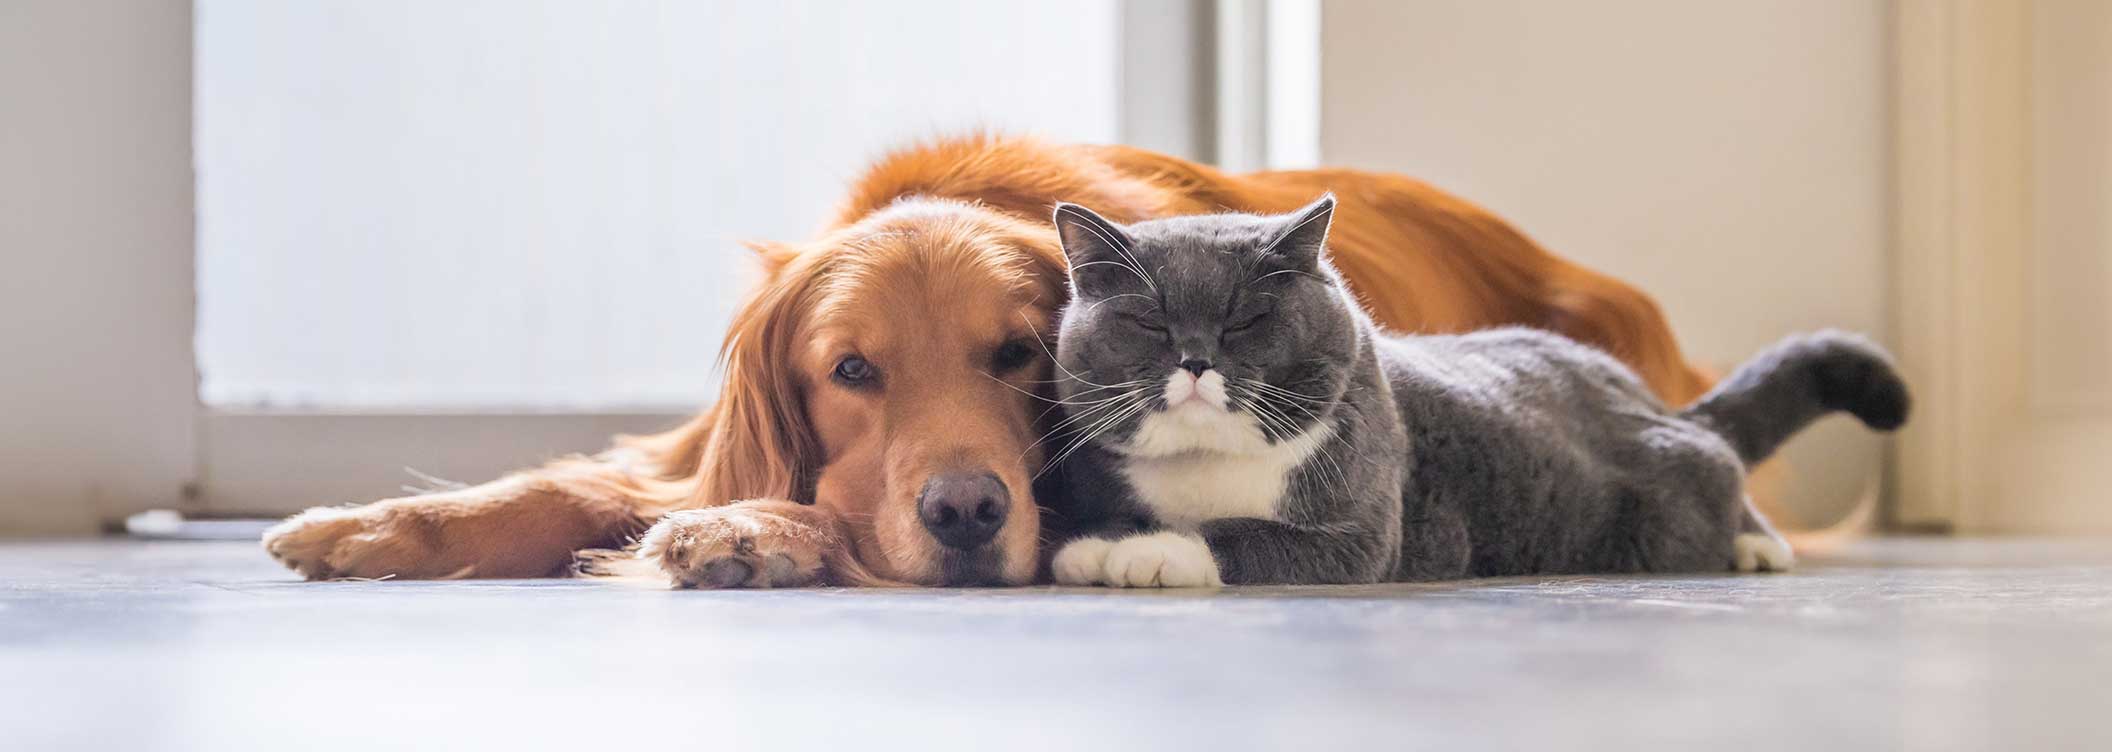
(95,260)
(1728,157)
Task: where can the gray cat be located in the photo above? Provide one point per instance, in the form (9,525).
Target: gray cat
(1235,417)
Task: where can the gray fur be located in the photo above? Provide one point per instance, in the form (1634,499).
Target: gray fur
(1510,451)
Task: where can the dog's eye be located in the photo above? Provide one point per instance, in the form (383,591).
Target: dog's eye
(855,371)
(1011,356)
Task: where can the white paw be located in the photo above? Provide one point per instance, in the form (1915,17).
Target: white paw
(1082,561)
(1760,552)
(1160,560)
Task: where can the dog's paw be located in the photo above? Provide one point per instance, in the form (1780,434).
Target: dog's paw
(1081,562)
(350,542)
(732,546)
(1761,552)
(1160,560)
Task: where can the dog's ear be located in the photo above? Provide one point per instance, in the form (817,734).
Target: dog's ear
(758,442)
(1098,250)
(772,255)
(1303,239)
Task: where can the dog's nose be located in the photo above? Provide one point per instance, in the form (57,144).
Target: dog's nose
(964,511)
(1195,366)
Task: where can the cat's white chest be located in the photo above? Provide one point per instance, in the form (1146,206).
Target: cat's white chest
(1193,465)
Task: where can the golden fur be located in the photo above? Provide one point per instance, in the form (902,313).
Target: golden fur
(941,254)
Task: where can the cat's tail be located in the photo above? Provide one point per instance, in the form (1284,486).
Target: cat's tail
(1799,380)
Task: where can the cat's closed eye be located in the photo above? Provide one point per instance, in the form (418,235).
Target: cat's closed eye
(1246,322)
(1147,324)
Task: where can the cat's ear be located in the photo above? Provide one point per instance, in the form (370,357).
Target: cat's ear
(1088,237)
(1304,237)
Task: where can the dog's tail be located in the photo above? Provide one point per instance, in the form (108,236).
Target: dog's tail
(1799,380)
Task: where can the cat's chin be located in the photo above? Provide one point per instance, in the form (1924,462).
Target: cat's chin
(1195,426)
(1196,408)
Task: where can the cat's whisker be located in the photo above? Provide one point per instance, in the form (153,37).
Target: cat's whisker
(1008,385)
(1295,403)
(1257,280)
(1080,421)
(1268,387)
(1329,474)
(1087,439)
(1044,344)
(1094,423)
(1268,418)
(1044,414)
(1060,404)
(1077,415)
(1119,265)
(1264,386)
(1122,250)
(1103,426)
(1104,301)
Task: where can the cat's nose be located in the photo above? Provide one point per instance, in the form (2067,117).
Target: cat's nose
(1195,366)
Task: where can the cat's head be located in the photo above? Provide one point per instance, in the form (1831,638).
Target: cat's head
(1225,332)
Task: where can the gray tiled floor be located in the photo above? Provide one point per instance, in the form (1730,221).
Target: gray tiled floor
(1892,644)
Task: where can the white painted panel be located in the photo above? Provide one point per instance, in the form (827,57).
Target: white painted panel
(1293,85)
(2053,479)
(1729,158)
(2071,265)
(96,394)
(274,464)
(501,204)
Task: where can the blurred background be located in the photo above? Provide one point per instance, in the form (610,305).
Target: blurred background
(266,255)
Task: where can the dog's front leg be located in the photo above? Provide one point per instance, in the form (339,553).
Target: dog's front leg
(524,525)
(760,543)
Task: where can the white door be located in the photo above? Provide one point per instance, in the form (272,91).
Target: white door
(2004,269)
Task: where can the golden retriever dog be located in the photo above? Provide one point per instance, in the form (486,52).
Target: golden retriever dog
(885,410)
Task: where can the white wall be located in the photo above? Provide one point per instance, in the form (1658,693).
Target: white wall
(508,203)
(96,392)
(1728,157)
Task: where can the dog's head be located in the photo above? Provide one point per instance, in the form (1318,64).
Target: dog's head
(895,372)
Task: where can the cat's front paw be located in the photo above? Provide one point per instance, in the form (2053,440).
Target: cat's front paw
(1762,552)
(1081,562)
(1160,560)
